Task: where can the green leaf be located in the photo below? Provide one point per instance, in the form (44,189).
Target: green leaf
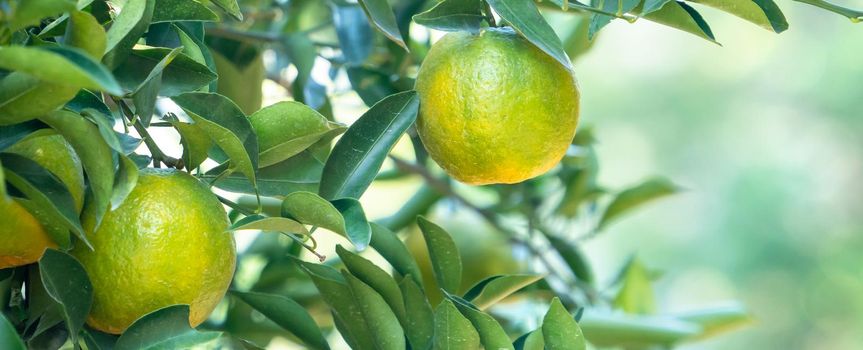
(444,255)
(598,21)
(355,35)
(653,5)
(96,340)
(559,329)
(717,320)
(67,283)
(230,7)
(269,224)
(764,13)
(382,16)
(452,330)
(124,182)
(681,16)
(166,328)
(632,331)
(9,338)
(85,32)
(633,197)
(227,126)
(95,156)
(179,72)
(288,128)
(126,29)
(388,245)
(288,314)
(573,258)
(299,173)
(49,199)
(182,10)
(347,314)
(30,12)
(854,15)
(493,289)
(420,317)
(491,334)
(382,322)
(376,278)
(452,16)
(70,66)
(195,142)
(636,294)
(528,22)
(23,97)
(371,84)
(105,124)
(359,154)
(530,341)
(356,224)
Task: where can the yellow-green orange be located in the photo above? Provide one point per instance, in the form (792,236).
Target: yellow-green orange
(166,244)
(22,237)
(494,108)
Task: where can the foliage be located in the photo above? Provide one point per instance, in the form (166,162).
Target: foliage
(104,74)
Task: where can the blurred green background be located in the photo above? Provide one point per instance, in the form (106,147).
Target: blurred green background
(764,132)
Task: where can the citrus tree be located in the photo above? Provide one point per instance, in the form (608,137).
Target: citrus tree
(108,240)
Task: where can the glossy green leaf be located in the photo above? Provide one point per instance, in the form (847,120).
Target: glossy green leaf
(96,340)
(347,314)
(377,279)
(528,22)
(85,32)
(653,5)
(361,151)
(195,142)
(227,126)
(126,29)
(59,271)
(24,97)
(371,84)
(353,31)
(493,289)
(270,224)
(166,328)
(356,224)
(681,16)
(559,329)
(182,10)
(530,341)
(87,99)
(635,196)
(95,156)
(382,322)
(598,20)
(420,317)
(9,338)
(717,320)
(71,66)
(30,12)
(491,333)
(291,127)
(636,293)
(452,16)
(311,209)
(388,245)
(105,124)
(288,314)
(764,13)
(230,7)
(179,73)
(48,198)
(632,331)
(573,257)
(124,181)
(445,259)
(381,15)
(299,173)
(452,330)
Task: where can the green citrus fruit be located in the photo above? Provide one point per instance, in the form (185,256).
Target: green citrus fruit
(494,108)
(166,244)
(484,251)
(22,238)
